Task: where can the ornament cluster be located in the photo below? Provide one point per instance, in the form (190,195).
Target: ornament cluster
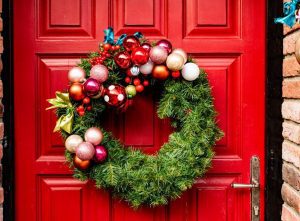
(88,150)
(139,62)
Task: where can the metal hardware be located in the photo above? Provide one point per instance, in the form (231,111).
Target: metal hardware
(254,186)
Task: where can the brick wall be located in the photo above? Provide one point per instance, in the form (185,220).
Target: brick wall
(291,126)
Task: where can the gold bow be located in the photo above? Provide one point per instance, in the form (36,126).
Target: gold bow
(65,121)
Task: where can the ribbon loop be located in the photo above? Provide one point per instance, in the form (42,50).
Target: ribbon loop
(289,9)
(109,36)
(65,121)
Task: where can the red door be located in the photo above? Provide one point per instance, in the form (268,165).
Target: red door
(227,39)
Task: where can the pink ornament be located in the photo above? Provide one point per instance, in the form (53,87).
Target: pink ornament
(100,154)
(85,151)
(115,95)
(165,44)
(93,135)
(91,87)
(181,52)
(72,142)
(99,72)
(147,68)
(76,74)
(146,46)
(158,55)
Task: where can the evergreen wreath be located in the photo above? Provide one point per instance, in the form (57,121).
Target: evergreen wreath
(186,99)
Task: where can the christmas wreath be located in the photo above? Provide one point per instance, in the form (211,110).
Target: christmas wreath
(109,79)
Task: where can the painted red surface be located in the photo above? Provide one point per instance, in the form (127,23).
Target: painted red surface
(227,38)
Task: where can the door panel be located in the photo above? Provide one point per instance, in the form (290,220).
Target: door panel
(226,38)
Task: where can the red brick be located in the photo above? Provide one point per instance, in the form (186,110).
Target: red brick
(288,214)
(291,88)
(291,175)
(287,29)
(291,110)
(291,153)
(290,66)
(291,131)
(289,43)
(291,197)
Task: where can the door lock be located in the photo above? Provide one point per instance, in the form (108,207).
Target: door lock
(254,186)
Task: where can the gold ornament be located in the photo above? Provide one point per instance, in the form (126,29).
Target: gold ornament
(175,62)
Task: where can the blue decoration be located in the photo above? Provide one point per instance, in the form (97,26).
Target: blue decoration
(109,36)
(289,9)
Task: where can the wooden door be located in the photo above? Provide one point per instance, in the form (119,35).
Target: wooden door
(226,37)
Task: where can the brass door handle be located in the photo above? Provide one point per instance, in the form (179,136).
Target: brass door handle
(245,185)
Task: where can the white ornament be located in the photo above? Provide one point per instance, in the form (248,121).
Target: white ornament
(181,52)
(190,71)
(135,71)
(147,68)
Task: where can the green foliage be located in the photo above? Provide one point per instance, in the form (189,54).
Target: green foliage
(153,180)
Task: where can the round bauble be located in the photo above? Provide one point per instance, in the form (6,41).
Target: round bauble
(160,72)
(131,42)
(190,71)
(130,91)
(175,74)
(158,54)
(146,46)
(175,62)
(139,56)
(134,71)
(115,95)
(91,87)
(76,74)
(93,135)
(147,68)
(85,151)
(72,142)
(76,92)
(123,59)
(81,164)
(165,44)
(99,72)
(181,52)
(100,154)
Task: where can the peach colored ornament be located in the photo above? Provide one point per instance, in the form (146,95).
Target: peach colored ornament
(93,135)
(181,52)
(76,74)
(72,142)
(175,62)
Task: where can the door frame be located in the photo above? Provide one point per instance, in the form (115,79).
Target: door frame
(273,201)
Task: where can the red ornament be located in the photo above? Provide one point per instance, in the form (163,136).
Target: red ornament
(86,100)
(131,42)
(123,60)
(139,56)
(146,83)
(160,72)
(139,88)
(115,95)
(176,74)
(136,81)
(165,44)
(127,80)
(76,92)
(100,154)
(81,164)
(146,46)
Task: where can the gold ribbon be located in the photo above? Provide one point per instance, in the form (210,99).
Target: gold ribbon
(65,121)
